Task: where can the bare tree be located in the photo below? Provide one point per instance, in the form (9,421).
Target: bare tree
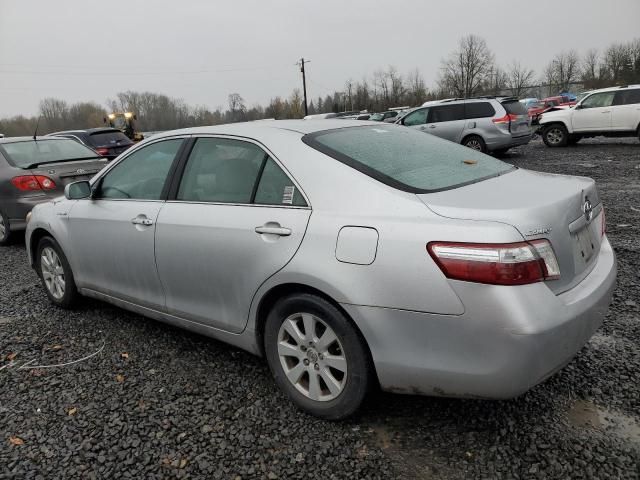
(466,69)
(54,112)
(563,70)
(590,65)
(417,89)
(237,108)
(397,89)
(519,79)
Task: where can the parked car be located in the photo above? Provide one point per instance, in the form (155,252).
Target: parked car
(33,171)
(609,112)
(529,102)
(388,116)
(537,109)
(436,269)
(486,124)
(108,142)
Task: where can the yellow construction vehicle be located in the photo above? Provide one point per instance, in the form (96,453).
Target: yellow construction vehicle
(123,121)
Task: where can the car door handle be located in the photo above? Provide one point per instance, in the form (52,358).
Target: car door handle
(142,221)
(280,231)
(606,111)
(432,126)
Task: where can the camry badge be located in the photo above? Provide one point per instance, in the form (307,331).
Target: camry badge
(587,209)
(538,231)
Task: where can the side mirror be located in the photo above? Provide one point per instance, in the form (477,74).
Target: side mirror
(77,190)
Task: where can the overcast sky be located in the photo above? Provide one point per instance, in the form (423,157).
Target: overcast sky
(203,50)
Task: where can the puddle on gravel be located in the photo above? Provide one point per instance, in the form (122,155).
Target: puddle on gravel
(586,414)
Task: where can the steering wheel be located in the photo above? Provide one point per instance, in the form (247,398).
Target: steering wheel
(104,191)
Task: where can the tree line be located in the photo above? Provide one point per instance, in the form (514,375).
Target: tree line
(469,70)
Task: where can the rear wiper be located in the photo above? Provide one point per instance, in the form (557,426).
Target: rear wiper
(37,164)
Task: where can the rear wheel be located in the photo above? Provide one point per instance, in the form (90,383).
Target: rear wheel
(555,135)
(316,356)
(5,230)
(474,142)
(55,272)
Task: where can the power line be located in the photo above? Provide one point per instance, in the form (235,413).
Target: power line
(119,74)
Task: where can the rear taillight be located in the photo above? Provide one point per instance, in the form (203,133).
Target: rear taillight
(506,119)
(496,264)
(102,151)
(33,182)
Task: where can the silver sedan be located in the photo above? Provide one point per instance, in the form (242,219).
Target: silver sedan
(350,254)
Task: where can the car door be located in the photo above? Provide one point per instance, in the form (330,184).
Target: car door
(594,113)
(625,111)
(447,121)
(235,218)
(112,233)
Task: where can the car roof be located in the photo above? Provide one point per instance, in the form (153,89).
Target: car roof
(267,128)
(613,89)
(28,139)
(90,131)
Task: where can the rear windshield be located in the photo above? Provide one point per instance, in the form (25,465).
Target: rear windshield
(515,107)
(405,158)
(109,139)
(33,153)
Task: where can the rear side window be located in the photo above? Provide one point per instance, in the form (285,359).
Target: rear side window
(405,158)
(446,113)
(107,139)
(221,170)
(627,97)
(276,188)
(479,110)
(515,108)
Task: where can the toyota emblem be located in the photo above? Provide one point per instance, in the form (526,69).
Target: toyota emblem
(587,209)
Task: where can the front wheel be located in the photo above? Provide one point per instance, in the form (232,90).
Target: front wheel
(55,272)
(474,142)
(317,356)
(555,135)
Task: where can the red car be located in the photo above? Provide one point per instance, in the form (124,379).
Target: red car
(550,102)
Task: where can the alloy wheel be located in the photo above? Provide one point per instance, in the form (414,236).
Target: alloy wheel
(474,144)
(3,228)
(52,272)
(312,357)
(555,136)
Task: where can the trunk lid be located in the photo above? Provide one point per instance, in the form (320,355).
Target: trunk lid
(65,172)
(538,205)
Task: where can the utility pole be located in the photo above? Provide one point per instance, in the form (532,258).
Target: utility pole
(304,84)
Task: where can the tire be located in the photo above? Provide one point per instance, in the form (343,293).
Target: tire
(555,135)
(475,142)
(6,235)
(55,273)
(302,356)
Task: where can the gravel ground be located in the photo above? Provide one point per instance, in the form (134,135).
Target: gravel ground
(156,402)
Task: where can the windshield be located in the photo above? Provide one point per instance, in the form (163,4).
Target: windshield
(109,138)
(22,154)
(405,158)
(376,116)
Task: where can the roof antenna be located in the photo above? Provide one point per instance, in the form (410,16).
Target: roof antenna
(36,132)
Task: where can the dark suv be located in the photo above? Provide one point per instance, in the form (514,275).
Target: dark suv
(108,142)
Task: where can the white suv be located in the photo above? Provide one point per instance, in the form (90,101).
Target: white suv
(609,112)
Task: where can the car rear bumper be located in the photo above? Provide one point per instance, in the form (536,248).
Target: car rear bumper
(508,340)
(507,141)
(16,209)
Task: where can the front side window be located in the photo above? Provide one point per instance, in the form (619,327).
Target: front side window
(419,117)
(446,113)
(141,175)
(597,100)
(405,158)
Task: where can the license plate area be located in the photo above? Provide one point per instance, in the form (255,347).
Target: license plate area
(585,243)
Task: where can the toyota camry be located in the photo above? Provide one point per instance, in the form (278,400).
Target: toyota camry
(348,254)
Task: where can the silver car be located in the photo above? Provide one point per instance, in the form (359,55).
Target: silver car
(350,254)
(486,124)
